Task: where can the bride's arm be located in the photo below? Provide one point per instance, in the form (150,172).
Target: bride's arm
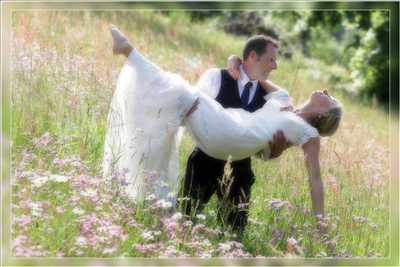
(273,91)
(311,153)
(233,64)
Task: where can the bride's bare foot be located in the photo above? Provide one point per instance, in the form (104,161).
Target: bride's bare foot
(121,44)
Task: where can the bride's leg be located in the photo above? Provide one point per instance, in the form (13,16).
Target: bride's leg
(121,44)
(146,71)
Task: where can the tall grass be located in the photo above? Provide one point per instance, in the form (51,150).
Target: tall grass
(63,78)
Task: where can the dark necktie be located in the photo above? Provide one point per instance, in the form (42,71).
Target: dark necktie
(246,94)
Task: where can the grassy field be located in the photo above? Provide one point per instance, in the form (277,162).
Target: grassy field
(64,75)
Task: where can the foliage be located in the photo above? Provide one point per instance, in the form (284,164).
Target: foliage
(364,36)
(370,63)
(357,40)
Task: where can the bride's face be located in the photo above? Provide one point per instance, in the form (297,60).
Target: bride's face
(322,101)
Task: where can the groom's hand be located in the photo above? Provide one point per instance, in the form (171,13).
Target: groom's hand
(287,108)
(278,144)
(193,108)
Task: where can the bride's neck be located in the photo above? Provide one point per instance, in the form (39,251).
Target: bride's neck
(305,112)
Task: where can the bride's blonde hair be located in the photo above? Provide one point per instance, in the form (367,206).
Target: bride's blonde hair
(328,123)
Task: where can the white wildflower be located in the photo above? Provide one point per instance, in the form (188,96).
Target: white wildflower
(78,211)
(59,178)
(201,216)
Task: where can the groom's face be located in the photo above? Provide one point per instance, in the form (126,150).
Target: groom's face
(266,62)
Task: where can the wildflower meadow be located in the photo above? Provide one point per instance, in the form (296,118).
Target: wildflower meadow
(63,77)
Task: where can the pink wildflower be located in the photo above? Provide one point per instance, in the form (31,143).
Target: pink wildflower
(60,254)
(74,200)
(93,240)
(23,220)
(291,245)
(90,193)
(19,251)
(87,223)
(81,241)
(43,141)
(171,251)
(60,209)
(205,254)
(243,206)
(59,162)
(115,231)
(277,235)
(146,248)
(375,181)
(25,204)
(20,240)
(198,228)
(27,157)
(332,183)
(171,229)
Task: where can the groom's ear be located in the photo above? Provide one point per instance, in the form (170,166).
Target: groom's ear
(253,56)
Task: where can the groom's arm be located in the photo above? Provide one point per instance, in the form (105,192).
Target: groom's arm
(209,83)
(275,147)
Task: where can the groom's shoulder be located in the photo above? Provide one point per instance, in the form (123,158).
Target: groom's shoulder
(210,82)
(217,73)
(213,72)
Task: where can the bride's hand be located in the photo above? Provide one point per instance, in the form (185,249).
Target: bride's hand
(233,65)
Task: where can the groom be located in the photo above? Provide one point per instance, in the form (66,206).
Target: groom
(205,175)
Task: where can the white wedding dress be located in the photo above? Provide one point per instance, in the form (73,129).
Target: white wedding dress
(146,111)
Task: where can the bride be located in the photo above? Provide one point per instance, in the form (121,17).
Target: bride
(150,104)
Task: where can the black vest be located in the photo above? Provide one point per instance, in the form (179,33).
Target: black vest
(229,97)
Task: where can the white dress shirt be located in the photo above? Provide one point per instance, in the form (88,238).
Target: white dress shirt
(210,83)
(244,79)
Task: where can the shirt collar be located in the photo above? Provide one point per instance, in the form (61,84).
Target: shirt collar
(244,78)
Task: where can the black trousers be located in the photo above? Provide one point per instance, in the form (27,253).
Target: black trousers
(205,176)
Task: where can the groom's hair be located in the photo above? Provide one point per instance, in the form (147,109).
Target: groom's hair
(258,43)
